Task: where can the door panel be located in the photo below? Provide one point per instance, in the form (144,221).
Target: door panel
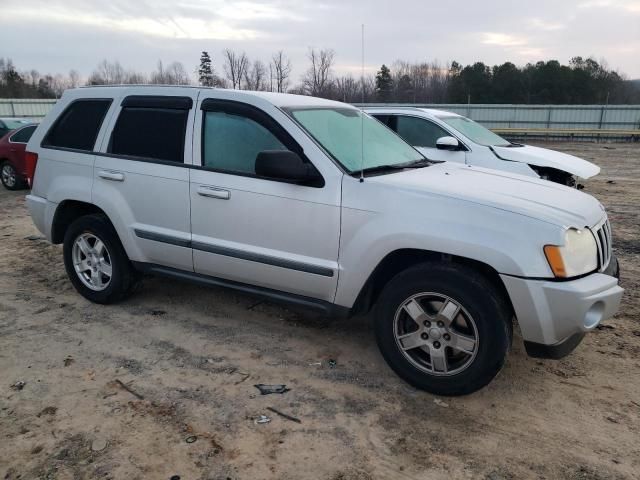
(257,231)
(148,197)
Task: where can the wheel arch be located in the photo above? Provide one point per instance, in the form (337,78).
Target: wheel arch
(399,260)
(67,212)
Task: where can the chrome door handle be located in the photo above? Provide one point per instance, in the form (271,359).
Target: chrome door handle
(214,192)
(115,176)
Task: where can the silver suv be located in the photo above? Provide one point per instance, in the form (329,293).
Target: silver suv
(314,203)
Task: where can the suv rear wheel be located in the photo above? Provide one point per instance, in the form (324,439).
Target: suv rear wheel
(96,262)
(443,328)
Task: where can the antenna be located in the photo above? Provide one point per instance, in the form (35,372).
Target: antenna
(362,113)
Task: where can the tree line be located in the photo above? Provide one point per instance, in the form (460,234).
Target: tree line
(581,81)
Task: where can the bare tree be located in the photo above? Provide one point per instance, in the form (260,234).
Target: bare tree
(280,68)
(317,80)
(256,77)
(235,67)
(348,89)
(74,79)
(107,73)
(172,74)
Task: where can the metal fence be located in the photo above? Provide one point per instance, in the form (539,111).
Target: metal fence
(534,117)
(28,108)
(577,117)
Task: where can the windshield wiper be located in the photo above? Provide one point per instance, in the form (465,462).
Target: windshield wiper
(420,163)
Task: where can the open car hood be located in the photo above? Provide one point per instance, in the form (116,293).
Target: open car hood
(543,157)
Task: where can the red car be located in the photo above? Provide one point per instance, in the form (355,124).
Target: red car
(13,168)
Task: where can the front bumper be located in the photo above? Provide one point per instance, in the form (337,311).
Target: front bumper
(554,315)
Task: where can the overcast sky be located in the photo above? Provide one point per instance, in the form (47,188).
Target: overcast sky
(54,36)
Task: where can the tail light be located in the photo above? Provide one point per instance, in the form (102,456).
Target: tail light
(30,161)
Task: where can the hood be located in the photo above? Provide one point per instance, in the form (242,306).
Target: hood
(543,157)
(532,197)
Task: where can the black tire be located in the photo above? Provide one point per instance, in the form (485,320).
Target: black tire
(124,279)
(476,296)
(18,183)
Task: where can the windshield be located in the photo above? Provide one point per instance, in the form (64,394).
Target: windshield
(475,132)
(340,132)
(13,124)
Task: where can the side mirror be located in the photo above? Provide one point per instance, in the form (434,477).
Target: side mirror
(287,166)
(448,143)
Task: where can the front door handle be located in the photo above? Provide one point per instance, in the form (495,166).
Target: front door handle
(214,192)
(109,175)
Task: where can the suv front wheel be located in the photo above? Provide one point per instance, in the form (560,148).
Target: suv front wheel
(96,262)
(444,328)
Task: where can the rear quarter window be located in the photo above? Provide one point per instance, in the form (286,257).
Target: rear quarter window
(78,125)
(23,135)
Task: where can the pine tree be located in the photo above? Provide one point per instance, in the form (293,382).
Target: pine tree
(384,84)
(205,72)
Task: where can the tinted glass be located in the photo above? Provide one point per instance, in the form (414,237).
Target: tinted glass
(78,126)
(475,132)
(344,131)
(419,132)
(155,133)
(382,118)
(232,142)
(23,135)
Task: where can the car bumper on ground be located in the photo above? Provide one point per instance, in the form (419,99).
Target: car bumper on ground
(554,315)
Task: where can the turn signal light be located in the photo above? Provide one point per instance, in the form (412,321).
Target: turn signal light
(554,257)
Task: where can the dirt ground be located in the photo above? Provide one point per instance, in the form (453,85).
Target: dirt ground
(122,391)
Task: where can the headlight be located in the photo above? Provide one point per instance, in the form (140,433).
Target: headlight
(578,255)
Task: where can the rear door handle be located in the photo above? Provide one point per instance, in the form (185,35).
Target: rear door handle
(114,176)
(214,192)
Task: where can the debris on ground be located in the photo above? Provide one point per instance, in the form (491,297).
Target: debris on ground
(19,385)
(157,313)
(332,363)
(268,389)
(98,444)
(262,419)
(128,389)
(37,449)
(315,364)
(284,415)
(440,403)
(68,360)
(34,237)
(191,439)
(612,182)
(602,326)
(47,411)
(245,376)
(251,307)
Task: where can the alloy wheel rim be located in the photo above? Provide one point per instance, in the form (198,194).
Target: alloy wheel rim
(92,262)
(8,175)
(436,334)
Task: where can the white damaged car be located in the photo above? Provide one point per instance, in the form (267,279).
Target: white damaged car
(447,136)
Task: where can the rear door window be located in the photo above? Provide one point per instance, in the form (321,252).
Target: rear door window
(78,126)
(151,129)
